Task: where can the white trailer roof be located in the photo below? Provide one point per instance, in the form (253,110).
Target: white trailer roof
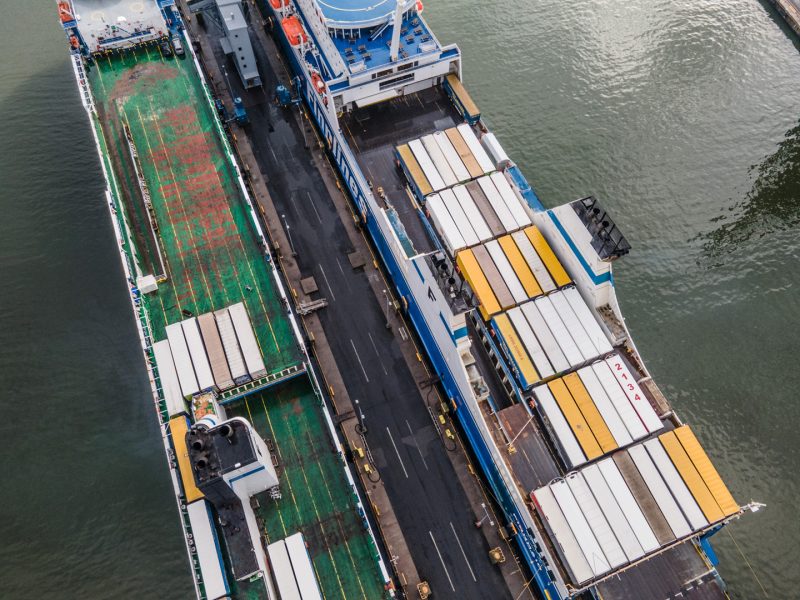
(634,393)
(570,551)
(573,325)
(597,521)
(427,166)
(475,147)
(443,221)
(676,484)
(495,150)
(511,199)
(303,568)
(587,319)
(498,205)
(247,341)
(549,344)
(613,513)
(559,331)
(506,271)
(209,558)
(453,159)
(573,454)
(460,217)
(473,213)
(669,508)
(197,350)
(605,407)
(282,571)
(170,384)
(439,160)
(580,528)
(620,401)
(182,359)
(230,344)
(530,342)
(534,261)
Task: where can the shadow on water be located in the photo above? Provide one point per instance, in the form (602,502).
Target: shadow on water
(771,205)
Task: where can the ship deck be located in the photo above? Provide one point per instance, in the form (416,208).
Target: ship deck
(213,259)
(373,133)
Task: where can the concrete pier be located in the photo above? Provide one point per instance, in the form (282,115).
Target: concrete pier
(790,11)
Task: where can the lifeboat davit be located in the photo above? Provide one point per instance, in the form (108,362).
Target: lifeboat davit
(294,31)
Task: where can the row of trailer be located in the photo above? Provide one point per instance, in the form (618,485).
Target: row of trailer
(595,410)
(292,569)
(215,351)
(508,271)
(622,508)
(550,335)
(474,213)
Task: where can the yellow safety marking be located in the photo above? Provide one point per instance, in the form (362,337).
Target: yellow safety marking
(469,160)
(463,96)
(575,418)
(549,259)
(707,471)
(178,429)
(414,170)
(468,265)
(517,350)
(691,477)
(520,266)
(589,411)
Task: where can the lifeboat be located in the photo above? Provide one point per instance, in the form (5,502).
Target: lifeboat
(279,4)
(419,6)
(65,12)
(294,31)
(73,42)
(319,86)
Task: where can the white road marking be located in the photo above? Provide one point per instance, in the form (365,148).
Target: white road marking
(403,333)
(464,554)
(294,203)
(363,370)
(446,572)
(330,289)
(416,444)
(275,158)
(378,354)
(396,452)
(314,206)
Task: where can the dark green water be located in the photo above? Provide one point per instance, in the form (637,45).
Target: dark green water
(681,116)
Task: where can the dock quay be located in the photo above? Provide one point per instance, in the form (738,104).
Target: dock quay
(790,11)
(356,271)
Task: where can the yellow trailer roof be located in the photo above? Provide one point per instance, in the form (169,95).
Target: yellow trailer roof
(415,170)
(464,152)
(178,429)
(691,477)
(707,471)
(589,411)
(461,93)
(468,265)
(520,266)
(549,259)
(518,352)
(575,418)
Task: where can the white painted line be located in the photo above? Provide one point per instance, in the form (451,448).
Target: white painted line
(403,333)
(294,203)
(378,354)
(314,206)
(398,454)
(363,370)
(464,554)
(275,158)
(416,444)
(446,572)
(330,289)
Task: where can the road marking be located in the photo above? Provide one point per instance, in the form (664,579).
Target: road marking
(275,158)
(403,333)
(378,354)
(363,370)
(464,554)
(416,444)
(294,203)
(446,572)
(398,455)
(314,206)
(330,289)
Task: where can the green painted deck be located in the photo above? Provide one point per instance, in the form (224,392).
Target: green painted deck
(205,230)
(317,499)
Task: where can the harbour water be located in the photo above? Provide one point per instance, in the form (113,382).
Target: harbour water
(681,116)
